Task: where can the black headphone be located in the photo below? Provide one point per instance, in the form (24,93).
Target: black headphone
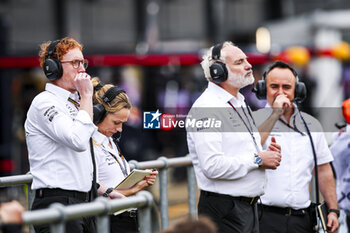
(300,88)
(52,66)
(218,70)
(99,110)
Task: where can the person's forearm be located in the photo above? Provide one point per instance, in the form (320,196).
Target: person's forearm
(101,190)
(266,127)
(134,189)
(128,192)
(86,104)
(327,185)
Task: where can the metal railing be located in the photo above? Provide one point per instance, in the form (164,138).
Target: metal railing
(57,214)
(162,164)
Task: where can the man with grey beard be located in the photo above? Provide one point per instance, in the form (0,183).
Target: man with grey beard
(228,160)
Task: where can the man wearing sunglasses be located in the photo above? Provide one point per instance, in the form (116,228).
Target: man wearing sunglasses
(58,129)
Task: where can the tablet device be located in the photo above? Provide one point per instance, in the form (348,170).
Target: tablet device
(133,178)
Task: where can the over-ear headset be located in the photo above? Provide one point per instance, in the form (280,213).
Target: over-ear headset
(52,66)
(99,110)
(300,88)
(218,70)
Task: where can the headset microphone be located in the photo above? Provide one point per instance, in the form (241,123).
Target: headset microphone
(116,137)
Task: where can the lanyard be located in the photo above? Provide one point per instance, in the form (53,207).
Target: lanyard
(294,126)
(76,104)
(250,128)
(124,170)
(122,167)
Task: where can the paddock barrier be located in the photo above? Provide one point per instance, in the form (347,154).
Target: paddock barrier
(101,206)
(57,214)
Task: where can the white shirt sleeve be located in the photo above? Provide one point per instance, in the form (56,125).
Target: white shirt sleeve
(322,150)
(73,133)
(321,146)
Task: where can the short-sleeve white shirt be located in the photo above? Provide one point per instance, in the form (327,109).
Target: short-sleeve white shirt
(224,159)
(57,136)
(110,166)
(288,185)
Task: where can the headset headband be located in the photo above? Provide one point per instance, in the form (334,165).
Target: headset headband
(281,65)
(98,87)
(216,52)
(51,50)
(111,94)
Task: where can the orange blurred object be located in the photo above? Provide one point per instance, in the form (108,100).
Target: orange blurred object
(298,55)
(341,51)
(346,110)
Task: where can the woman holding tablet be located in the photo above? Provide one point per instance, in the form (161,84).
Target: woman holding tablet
(112,109)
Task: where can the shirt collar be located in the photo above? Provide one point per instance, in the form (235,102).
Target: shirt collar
(225,96)
(101,139)
(60,92)
(75,96)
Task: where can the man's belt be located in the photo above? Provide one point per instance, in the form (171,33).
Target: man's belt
(46,192)
(249,200)
(287,211)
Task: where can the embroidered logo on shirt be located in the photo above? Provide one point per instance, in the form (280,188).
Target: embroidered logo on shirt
(50,113)
(110,161)
(72,111)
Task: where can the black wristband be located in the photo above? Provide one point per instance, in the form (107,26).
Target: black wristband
(108,191)
(334,211)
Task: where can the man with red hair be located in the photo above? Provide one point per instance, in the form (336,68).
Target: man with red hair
(58,128)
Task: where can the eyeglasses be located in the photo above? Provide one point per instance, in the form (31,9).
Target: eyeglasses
(76,63)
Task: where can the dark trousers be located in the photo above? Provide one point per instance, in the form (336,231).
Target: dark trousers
(274,221)
(124,223)
(231,215)
(83,225)
(11,228)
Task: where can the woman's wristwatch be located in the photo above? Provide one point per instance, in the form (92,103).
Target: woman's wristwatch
(337,212)
(108,191)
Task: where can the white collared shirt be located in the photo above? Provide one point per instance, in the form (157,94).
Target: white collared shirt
(341,152)
(57,136)
(224,159)
(109,170)
(288,185)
